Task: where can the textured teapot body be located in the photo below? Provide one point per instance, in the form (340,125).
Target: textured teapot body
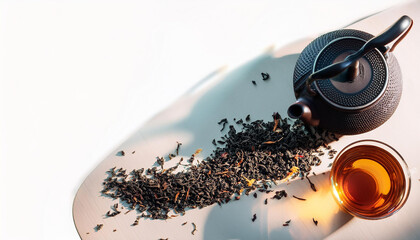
(317,110)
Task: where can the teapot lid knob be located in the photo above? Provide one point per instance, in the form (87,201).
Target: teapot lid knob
(370,75)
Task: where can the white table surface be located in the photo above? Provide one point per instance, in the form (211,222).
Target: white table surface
(77,78)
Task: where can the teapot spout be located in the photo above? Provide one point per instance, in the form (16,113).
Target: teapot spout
(301,110)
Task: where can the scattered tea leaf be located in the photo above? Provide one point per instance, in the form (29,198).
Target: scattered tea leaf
(311,183)
(98,227)
(224,120)
(265,76)
(136,222)
(160,161)
(279,195)
(315,221)
(253,82)
(302,199)
(178,145)
(120,153)
(242,165)
(254,217)
(195,228)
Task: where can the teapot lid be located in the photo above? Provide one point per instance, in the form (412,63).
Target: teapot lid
(367,87)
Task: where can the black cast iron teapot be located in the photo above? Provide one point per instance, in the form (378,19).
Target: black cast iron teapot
(348,81)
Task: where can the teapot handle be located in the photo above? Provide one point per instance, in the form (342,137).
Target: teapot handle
(402,26)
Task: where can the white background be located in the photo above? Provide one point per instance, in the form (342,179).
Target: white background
(78,77)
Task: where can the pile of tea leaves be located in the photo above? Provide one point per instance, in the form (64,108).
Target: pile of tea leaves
(255,157)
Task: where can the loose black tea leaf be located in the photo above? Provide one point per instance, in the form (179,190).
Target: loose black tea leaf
(265,76)
(160,161)
(163,238)
(255,195)
(315,221)
(109,214)
(286,223)
(120,153)
(114,230)
(223,122)
(214,142)
(302,199)
(311,183)
(276,116)
(178,145)
(114,212)
(136,222)
(184,223)
(243,164)
(331,152)
(253,82)
(279,195)
(248,118)
(195,228)
(98,227)
(254,217)
(266,201)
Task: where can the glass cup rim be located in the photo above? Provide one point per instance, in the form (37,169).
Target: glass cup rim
(386,147)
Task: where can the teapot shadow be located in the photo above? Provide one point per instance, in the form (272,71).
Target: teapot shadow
(233,220)
(232,97)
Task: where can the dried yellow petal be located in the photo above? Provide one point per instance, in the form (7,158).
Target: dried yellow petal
(198,151)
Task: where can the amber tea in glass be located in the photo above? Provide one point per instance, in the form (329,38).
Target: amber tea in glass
(370,179)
